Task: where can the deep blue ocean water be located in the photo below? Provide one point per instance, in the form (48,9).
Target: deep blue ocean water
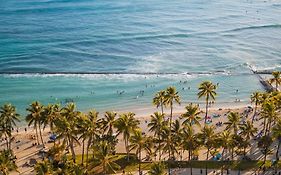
(215,39)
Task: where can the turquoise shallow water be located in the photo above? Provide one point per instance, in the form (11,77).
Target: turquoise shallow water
(217,40)
(102,92)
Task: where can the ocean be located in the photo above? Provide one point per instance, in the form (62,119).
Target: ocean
(135,48)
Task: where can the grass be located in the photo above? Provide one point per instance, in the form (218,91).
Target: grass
(132,165)
(234,165)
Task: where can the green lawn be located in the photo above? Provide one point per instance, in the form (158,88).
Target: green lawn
(132,165)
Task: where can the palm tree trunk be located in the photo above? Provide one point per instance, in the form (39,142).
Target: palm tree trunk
(127,149)
(7,142)
(277,151)
(140,161)
(169,168)
(87,150)
(159,147)
(162,108)
(255,112)
(83,151)
(264,126)
(222,154)
(10,142)
(270,125)
(206,115)
(72,149)
(37,138)
(103,168)
(171,115)
(265,155)
(181,154)
(206,169)
(267,126)
(110,130)
(41,135)
(189,158)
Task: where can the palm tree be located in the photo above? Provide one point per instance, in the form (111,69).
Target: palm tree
(7,162)
(264,143)
(232,144)
(103,155)
(263,97)
(35,117)
(155,125)
(139,143)
(51,113)
(207,138)
(157,169)
(56,152)
(159,100)
(83,126)
(176,133)
(67,127)
(126,124)
(58,163)
(248,130)
(167,143)
(208,90)
(70,113)
(190,141)
(108,122)
(171,97)
(68,133)
(277,100)
(44,168)
(8,119)
(191,115)
(91,130)
(269,115)
(225,138)
(241,143)
(276,79)
(276,132)
(255,98)
(233,122)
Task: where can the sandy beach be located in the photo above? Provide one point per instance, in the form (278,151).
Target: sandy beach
(26,152)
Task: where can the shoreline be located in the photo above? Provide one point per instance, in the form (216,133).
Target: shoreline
(146,111)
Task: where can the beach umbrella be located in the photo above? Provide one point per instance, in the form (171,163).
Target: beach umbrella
(53,137)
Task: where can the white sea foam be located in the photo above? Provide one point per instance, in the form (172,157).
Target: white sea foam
(153,63)
(118,76)
(265,68)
